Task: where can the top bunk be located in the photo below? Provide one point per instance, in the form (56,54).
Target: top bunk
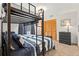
(21,13)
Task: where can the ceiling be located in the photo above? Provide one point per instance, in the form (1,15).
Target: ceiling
(56,9)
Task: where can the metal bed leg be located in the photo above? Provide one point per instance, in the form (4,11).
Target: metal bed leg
(36,36)
(43,43)
(9,28)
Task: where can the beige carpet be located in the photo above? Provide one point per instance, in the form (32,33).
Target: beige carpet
(64,50)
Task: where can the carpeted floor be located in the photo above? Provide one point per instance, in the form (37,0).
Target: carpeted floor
(64,50)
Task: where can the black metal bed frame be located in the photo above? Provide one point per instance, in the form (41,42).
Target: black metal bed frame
(10,10)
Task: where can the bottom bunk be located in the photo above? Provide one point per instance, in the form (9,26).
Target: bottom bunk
(25,45)
(49,43)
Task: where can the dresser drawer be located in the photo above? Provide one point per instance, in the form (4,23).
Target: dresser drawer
(65,37)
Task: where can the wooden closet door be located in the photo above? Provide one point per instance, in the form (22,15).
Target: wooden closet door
(50,28)
(54,30)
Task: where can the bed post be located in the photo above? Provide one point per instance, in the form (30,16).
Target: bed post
(36,28)
(36,34)
(43,44)
(9,28)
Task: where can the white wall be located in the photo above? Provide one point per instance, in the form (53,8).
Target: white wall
(14,27)
(77,26)
(73,29)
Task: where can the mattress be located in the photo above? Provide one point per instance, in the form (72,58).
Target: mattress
(28,50)
(33,44)
(38,42)
(31,39)
(38,39)
(49,42)
(33,47)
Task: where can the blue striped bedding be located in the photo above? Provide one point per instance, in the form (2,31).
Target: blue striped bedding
(28,48)
(33,42)
(31,46)
(39,42)
(50,43)
(34,45)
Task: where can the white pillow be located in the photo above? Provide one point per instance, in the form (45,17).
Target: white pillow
(21,36)
(21,40)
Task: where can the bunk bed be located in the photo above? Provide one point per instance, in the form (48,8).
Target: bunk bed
(21,44)
(21,16)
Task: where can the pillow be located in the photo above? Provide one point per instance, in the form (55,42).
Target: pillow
(14,45)
(21,40)
(28,36)
(16,38)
